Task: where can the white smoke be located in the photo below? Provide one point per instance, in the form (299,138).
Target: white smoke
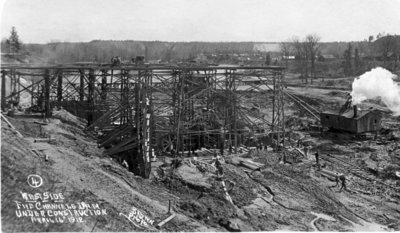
(377,83)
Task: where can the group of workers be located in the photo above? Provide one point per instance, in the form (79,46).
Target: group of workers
(116,61)
(220,177)
(339,177)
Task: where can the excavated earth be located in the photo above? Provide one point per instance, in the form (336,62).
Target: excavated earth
(279,196)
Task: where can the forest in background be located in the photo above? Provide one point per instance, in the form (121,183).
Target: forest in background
(102,51)
(308,56)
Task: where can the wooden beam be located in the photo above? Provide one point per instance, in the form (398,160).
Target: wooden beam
(11,126)
(90,116)
(82,86)
(3,90)
(59,86)
(47,108)
(163,222)
(141,68)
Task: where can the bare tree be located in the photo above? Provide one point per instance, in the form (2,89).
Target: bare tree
(357,62)
(347,60)
(300,57)
(286,50)
(268,59)
(306,57)
(312,46)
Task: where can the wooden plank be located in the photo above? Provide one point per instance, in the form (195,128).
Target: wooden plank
(139,68)
(3,90)
(11,126)
(163,222)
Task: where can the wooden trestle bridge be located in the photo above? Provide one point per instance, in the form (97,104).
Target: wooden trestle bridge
(141,110)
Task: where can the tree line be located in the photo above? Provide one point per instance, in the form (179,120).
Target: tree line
(354,57)
(103,51)
(306,51)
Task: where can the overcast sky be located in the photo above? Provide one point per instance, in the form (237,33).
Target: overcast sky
(41,21)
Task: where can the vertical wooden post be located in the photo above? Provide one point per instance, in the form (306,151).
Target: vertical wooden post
(235,111)
(282,105)
(278,110)
(11,75)
(18,77)
(137,119)
(90,114)
(273,104)
(47,108)
(125,98)
(235,124)
(3,90)
(14,90)
(146,126)
(82,86)
(59,87)
(32,94)
(273,110)
(104,85)
(181,77)
(11,83)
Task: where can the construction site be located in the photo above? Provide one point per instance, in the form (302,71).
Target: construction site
(139,147)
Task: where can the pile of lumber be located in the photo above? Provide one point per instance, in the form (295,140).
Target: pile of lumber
(244,149)
(211,152)
(247,163)
(203,166)
(205,152)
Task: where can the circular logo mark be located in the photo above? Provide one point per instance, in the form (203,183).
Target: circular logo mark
(35,181)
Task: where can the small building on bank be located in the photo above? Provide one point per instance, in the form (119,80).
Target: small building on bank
(326,57)
(354,121)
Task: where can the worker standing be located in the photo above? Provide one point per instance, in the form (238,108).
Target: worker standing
(343,182)
(336,179)
(299,142)
(317,160)
(284,158)
(218,165)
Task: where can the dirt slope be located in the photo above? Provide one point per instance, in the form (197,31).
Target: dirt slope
(75,168)
(279,197)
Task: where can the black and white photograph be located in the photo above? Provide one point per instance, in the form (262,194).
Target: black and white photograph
(200,115)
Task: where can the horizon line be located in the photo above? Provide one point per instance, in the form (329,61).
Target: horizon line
(166,41)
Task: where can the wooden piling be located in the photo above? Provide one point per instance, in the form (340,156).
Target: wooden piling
(47,108)
(3,90)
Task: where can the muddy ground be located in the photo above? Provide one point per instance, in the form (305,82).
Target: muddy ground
(280,196)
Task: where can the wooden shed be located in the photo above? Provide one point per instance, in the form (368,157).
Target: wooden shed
(353,121)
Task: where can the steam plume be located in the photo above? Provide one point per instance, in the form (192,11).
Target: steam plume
(377,83)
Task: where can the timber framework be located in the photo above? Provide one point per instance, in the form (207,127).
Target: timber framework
(140,111)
